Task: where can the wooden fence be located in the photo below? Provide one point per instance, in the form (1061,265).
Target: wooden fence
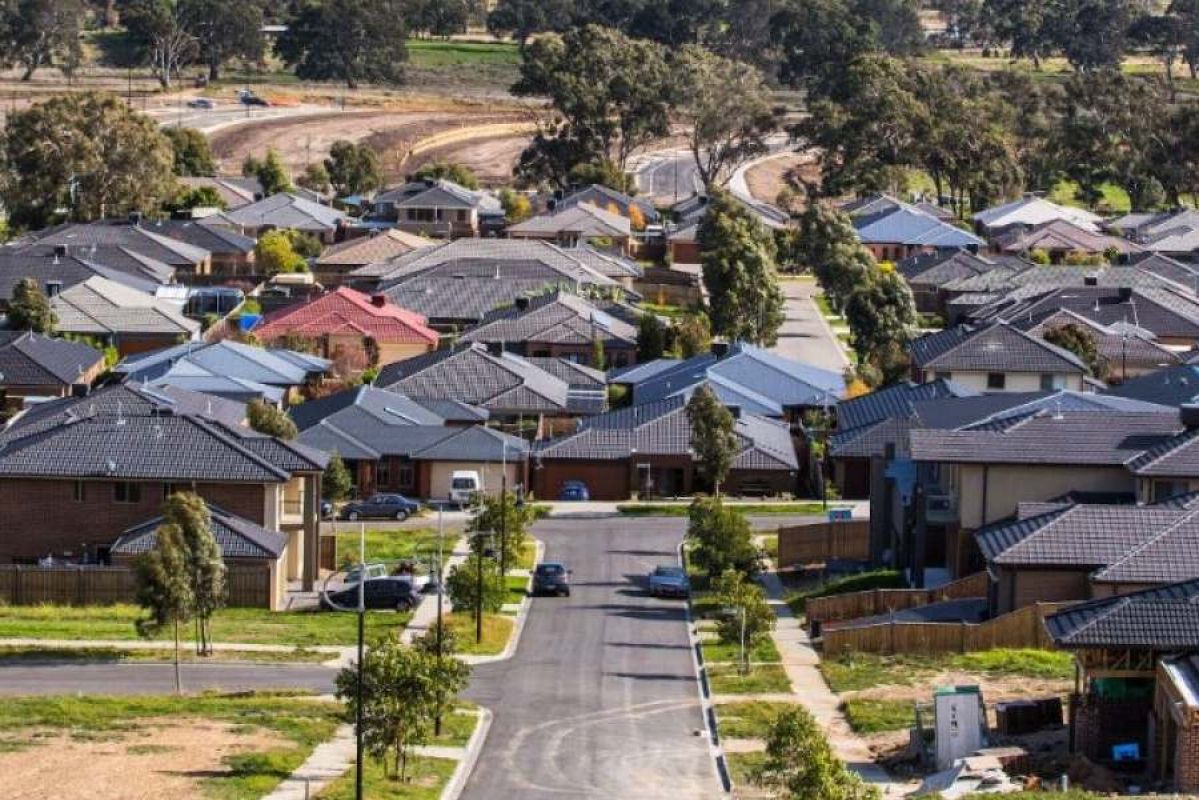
(97,586)
(853,605)
(1024,627)
(813,544)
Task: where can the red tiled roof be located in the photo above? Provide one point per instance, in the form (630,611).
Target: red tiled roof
(348,311)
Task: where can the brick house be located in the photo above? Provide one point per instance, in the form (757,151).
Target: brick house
(334,265)
(90,473)
(33,365)
(995,357)
(577,225)
(285,212)
(439,208)
(893,230)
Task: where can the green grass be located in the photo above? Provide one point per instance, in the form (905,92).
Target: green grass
(666,310)
(878,579)
(857,671)
(303,722)
(516,588)
(765,678)
(1113,198)
(770,544)
(741,765)
(764,652)
(874,715)
(11,654)
(1019,662)
(528,554)
(752,509)
(497,628)
(239,625)
(438,53)
(750,719)
(393,545)
(426,779)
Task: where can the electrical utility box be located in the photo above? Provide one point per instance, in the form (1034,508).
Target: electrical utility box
(960,723)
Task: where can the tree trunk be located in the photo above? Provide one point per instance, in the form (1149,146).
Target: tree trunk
(214,70)
(178,674)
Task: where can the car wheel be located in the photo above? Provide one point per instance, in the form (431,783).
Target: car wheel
(352,516)
(403,605)
(401,516)
(566,592)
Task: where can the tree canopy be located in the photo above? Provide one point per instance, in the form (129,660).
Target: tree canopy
(347,40)
(29,309)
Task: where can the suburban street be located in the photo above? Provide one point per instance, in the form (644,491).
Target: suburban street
(667,176)
(600,699)
(804,335)
(17,678)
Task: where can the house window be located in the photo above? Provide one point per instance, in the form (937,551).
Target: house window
(383,473)
(996,380)
(1049,382)
(80,491)
(407,476)
(127,492)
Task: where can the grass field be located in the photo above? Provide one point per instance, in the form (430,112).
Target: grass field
(426,779)
(391,546)
(10,655)
(238,625)
(876,715)
(742,764)
(752,509)
(749,719)
(860,671)
(441,53)
(762,678)
(718,652)
(497,629)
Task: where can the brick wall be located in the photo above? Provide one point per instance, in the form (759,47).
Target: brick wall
(41,517)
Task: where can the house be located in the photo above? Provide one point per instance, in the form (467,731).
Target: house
(690,210)
(234,192)
(1171,233)
(1137,680)
(122,317)
(1031,211)
(440,208)
(226,369)
(232,254)
(1126,350)
(928,273)
(895,230)
(579,224)
(995,357)
(645,451)
(94,476)
(747,379)
(334,265)
(285,212)
(1171,386)
(512,388)
(875,203)
(683,244)
(350,321)
(626,272)
(124,244)
(559,325)
(455,284)
(58,269)
(1060,239)
(607,198)
(393,443)
(34,366)
(248,549)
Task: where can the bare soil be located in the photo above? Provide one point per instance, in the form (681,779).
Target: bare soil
(768,178)
(160,758)
(492,160)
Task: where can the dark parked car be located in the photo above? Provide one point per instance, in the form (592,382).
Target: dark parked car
(574,491)
(381,506)
(201,102)
(551,577)
(326,510)
(248,98)
(387,592)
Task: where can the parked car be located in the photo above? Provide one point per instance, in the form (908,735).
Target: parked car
(388,592)
(551,577)
(464,485)
(201,102)
(354,574)
(381,506)
(326,510)
(574,491)
(668,580)
(248,98)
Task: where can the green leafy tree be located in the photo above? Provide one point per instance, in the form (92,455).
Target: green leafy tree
(163,588)
(726,106)
(721,537)
(315,178)
(29,309)
(880,312)
(828,246)
(744,298)
(347,40)
(353,168)
(1079,341)
(1091,34)
(450,675)
(1024,24)
(800,762)
(275,253)
(199,197)
(1186,12)
(87,153)
(42,33)
(462,586)
(223,30)
(399,699)
(187,512)
(713,435)
(336,483)
(651,338)
(266,418)
(691,335)
(496,511)
(193,155)
(269,171)
(160,37)
(816,39)
(520,19)
(750,614)
(517,207)
(447,171)
(604,173)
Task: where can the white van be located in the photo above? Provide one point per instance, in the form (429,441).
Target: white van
(464,485)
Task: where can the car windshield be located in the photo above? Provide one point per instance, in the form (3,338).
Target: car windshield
(463,483)
(669,572)
(550,569)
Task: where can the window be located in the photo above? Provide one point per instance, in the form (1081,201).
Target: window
(383,472)
(996,380)
(1164,490)
(126,492)
(406,476)
(80,491)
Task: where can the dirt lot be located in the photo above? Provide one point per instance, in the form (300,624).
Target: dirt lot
(491,160)
(769,177)
(162,758)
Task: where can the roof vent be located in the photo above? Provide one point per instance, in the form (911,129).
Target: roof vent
(1090,280)
(522,303)
(378,300)
(1188,414)
(61,249)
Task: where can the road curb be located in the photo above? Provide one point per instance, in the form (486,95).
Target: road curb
(466,766)
(707,708)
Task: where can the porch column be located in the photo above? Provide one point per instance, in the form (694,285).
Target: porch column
(312,530)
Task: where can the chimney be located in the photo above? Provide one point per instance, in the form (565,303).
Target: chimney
(1090,280)
(1188,414)
(135,218)
(378,300)
(61,250)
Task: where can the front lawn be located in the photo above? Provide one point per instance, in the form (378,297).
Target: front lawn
(749,719)
(761,679)
(875,715)
(18,654)
(742,765)
(750,509)
(427,778)
(237,625)
(858,671)
(497,629)
(716,652)
(516,585)
(391,546)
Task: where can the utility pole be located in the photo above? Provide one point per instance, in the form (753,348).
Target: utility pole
(440,633)
(503,511)
(358,748)
(479,590)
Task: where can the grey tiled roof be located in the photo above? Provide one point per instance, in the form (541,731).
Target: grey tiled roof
(941,267)
(583,220)
(1163,619)
(143,240)
(475,443)
(237,537)
(31,359)
(557,318)
(1078,535)
(1174,457)
(102,307)
(488,259)
(66,271)
(1172,386)
(1163,312)
(600,195)
(227,359)
(996,347)
(895,400)
(284,211)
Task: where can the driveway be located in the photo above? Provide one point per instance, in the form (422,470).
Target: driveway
(600,699)
(74,678)
(805,336)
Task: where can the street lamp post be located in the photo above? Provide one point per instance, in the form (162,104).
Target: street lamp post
(440,631)
(479,589)
(503,511)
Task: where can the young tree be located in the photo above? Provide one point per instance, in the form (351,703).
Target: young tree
(193,155)
(496,513)
(29,309)
(164,590)
(751,619)
(691,335)
(880,312)
(223,29)
(801,763)
(450,675)
(315,178)
(722,536)
(744,298)
(188,513)
(88,153)
(275,252)
(266,418)
(337,482)
(347,40)
(353,168)
(270,172)
(651,338)
(517,207)
(726,106)
(42,33)
(713,435)
(462,586)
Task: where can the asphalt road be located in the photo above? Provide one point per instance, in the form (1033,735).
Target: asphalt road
(600,699)
(93,678)
(668,176)
(804,336)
